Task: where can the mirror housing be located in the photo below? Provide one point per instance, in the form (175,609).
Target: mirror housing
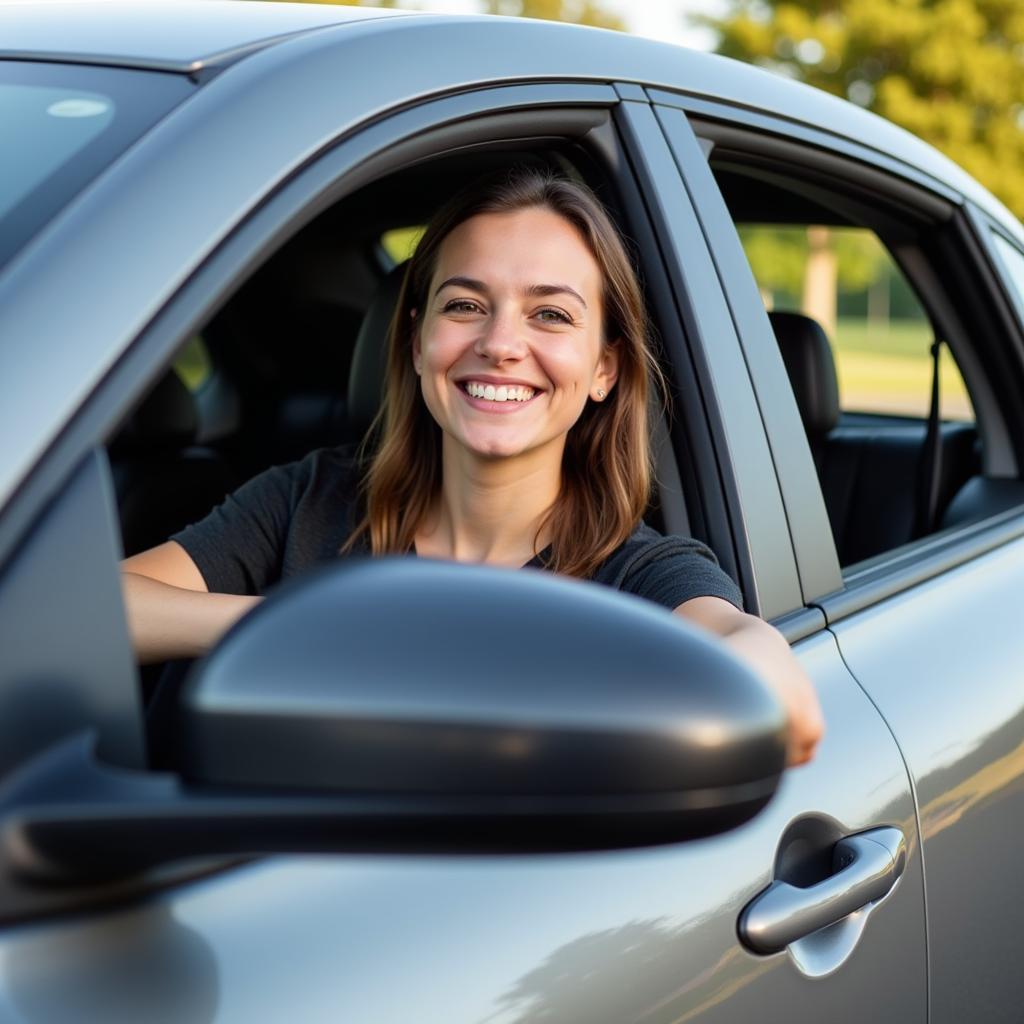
(419,680)
(409,706)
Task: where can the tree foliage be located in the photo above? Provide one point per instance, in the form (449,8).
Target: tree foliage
(579,12)
(780,256)
(950,71)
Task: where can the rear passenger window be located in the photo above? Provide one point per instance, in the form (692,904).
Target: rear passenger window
(858,287)
(846,280)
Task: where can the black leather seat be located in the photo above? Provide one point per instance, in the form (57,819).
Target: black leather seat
(870,468)
(162,479)
(370,356)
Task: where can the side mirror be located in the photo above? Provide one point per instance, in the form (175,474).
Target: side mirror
(412,706)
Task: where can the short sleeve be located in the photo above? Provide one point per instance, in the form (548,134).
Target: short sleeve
(239,546)
(668,570)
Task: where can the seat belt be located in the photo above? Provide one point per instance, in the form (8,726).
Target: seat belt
(931,456)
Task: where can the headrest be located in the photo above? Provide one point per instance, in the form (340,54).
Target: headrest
(370,355)
(811,368)
(167,417)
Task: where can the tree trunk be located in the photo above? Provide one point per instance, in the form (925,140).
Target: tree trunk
(821,279)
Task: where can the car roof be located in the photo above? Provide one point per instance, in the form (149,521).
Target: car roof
(184,35)
(192,35)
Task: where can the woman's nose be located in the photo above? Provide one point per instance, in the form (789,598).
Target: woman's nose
(501,339)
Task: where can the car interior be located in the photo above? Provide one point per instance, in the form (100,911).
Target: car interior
(293,361)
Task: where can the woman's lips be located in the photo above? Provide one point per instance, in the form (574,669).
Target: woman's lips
(494,405)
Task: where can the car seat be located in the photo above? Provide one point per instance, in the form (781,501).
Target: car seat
(869,467)
(162,479)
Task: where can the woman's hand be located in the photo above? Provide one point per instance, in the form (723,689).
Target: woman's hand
(766,651)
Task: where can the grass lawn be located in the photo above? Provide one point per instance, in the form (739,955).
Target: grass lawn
(890,370)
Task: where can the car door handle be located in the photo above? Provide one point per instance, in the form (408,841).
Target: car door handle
(866,866)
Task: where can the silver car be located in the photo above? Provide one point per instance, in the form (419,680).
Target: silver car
(204,209)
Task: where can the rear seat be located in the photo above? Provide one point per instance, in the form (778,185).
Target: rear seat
(870,472)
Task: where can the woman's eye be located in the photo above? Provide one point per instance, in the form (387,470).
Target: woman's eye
(553,316)
(461,306)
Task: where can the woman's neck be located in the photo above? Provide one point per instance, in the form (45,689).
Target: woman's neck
(490,510)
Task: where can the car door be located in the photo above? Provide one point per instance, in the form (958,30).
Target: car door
(928,628)
(662,934)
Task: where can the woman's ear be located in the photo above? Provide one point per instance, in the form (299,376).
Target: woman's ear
(607,372)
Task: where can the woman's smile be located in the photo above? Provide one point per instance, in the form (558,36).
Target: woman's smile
(490,394)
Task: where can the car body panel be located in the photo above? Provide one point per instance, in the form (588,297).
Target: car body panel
(487,49)
(589,939)
(953,646)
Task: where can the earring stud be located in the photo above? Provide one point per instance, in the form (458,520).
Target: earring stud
(600,392)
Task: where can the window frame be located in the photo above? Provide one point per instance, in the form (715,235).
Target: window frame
(525,111)
(840,594)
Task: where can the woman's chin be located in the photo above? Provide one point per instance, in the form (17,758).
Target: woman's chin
(494,446)
(496,450)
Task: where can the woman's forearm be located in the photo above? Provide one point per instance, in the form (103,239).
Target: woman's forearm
(766,650)
(169,622)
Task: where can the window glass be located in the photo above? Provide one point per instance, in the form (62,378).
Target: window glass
(66,123)
(401,243)
(845,279)
(193,364)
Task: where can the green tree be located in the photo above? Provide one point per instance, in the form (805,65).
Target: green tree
(579,12)
(950,71)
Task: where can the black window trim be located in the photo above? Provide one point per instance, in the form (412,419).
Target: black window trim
(730,115)
(749,474)
(809,529)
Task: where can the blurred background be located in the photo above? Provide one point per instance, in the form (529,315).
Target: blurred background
(950,71)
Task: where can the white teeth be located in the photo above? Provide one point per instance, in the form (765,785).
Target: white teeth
(501,393)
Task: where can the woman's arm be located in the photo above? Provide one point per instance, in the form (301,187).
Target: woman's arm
(169,611)
(766,651)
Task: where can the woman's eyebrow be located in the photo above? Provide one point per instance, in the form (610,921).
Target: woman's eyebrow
(462,282)
(535,290)
(542,290)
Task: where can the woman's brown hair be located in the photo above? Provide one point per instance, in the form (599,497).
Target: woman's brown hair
(606,467)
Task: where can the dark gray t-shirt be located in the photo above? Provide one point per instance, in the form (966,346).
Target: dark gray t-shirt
(290,518)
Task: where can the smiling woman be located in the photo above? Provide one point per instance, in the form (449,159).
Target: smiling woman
(521,282)
(513,432)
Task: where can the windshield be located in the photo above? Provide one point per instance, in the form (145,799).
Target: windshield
(60,125)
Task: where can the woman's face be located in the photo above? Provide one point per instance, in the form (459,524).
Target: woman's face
(509,345)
